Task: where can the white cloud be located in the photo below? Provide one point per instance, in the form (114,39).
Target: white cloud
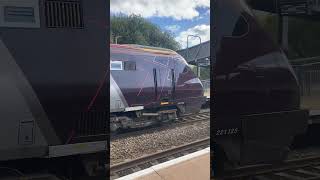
(203,3)
(177,9)
(199,17)
(172,28)
(202,30)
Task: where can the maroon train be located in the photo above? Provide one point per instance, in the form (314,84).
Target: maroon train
(150,85)
(257,102)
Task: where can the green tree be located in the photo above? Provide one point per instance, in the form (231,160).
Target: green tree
(204,72)
(134,29)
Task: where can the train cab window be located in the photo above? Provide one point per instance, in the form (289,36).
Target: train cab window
(162,60)
(186,69)
(130,66)
(116,65)
(241,28)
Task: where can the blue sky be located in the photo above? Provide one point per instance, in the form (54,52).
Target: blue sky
(203,18)
(181,17)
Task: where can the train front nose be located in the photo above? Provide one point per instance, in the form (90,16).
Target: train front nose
(196,85)
(117,100)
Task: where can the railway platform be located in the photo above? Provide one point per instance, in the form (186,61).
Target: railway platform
(189,167)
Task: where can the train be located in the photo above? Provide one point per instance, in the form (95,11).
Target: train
(256,108)
(52,69)
(150,85)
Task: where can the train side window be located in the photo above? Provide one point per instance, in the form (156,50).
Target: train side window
(130,66)
(116,65)
(119,57)
(241,28)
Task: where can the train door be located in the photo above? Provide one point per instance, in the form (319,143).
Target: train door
(164,75)
(171,78)
(143,80)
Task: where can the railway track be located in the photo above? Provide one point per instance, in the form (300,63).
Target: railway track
(131,166)
(204,115)
(293,169)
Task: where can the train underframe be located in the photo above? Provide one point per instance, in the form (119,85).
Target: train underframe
(72,167)
(146,117)
(261,139)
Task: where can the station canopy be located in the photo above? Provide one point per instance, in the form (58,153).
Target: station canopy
(197,55)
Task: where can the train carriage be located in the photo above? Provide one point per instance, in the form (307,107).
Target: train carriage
(256,110)
(150,85)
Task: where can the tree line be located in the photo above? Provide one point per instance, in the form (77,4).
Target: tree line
(134,29)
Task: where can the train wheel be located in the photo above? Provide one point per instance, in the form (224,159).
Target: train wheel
(114,127)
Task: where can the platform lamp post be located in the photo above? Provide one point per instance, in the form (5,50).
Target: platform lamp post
(117,39)
(198,67)
(283,23)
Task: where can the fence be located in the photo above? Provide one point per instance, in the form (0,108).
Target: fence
(309,78)
(308,74)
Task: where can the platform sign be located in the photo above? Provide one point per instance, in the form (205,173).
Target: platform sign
(302,8)
(294,7)
(299,7)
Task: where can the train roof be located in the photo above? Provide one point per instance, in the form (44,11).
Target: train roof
(144,49)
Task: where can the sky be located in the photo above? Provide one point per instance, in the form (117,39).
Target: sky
(180,17)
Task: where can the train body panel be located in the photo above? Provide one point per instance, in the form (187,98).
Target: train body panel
(253,85)
(256,65)
(51,73)
(17,116)
(118,102)
(145,78)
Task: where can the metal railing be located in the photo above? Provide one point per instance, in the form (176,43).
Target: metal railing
(308,74)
